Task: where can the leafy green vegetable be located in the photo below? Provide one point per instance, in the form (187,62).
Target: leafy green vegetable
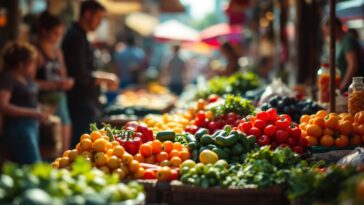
(234,104)
(237,84)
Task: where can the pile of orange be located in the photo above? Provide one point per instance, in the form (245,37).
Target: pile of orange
(163,154)
(331,129)
(107,156)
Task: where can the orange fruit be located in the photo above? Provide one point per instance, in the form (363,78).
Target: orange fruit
(174,153)
(331,122)
(100,159)
(304,119)
(78,148)
(66,153)
(361,129)
(85,136)
(328,131)
(139,157)
(150,159)
(113,162)
(319,121)
(175,161)
(139,173)
(106,138)
(115,143)
(100,145)
(349,117)
(321,114)
(119,151)
(95,135)
(55,164)
(125,169)
(72,155)
(63,162)
(86,154)
(119,172)
(184,155)
(200,104)
(312,141)
(164,173)
(146,150)
(342,141)
(167,146)
(156,146)
(162,156)
(165,163)
(209,114)
(177,146)
(58,159)
(110,152)
(314,130)
(303,126)
(134,166)
(127,158)
(355,140)
(345,127)
(327,141)
(86,145)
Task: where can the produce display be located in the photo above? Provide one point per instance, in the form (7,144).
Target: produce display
(237,84)
(42,184)
(330,129)
(275,130)
(263,168)
(227,144)
(292,107)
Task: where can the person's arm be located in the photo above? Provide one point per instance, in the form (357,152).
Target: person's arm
(7,109)
(63,65)
(49,85)
(352,67)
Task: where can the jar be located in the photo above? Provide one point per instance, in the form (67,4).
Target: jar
(323,82)
(356,96)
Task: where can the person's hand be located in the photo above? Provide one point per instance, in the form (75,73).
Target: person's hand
(41,117)
(67,83)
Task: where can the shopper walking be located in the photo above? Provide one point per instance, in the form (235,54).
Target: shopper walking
(18,102)
(83,98)
(51,73)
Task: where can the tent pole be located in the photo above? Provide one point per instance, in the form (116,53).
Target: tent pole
(332,56)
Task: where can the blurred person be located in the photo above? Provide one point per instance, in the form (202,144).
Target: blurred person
(83,98)
(51,73)
(348,53)
(232,58)
(176,71)
(129,62)
(18,102)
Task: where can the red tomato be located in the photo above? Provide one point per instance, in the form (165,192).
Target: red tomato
(263,116)
(213,98)
(298,149)
(149,174)
(273,144)
(270,130)
(255,131)
(213,125)
(303,142)
(201,123)
(292,142)
(272,113)
(232,115)
(174,174)
(263,140)
(295,132)
(201,115)
(231,120)
(260,124)
(283,122)
(245,126)
(282,136)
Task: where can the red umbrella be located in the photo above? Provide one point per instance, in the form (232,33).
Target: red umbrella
(219,33)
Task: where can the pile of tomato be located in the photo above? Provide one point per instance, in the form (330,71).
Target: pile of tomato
(274,130)
(331,129)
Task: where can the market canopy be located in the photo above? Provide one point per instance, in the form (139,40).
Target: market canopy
(121,7)
(350,9)
(173,30)
(219,33)
(141,23)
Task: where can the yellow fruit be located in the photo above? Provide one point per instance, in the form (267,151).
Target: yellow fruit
(72,155)
(85,136)
(95,135)
(314,130)
(119,151)
(100,159)
(64,162)
(105,169)
(208,157)
(55,164)
(120,173)
(100,145)
(86,145)
(113,162)
(66,153)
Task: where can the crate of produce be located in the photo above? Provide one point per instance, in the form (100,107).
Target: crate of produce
(182,194)
(156,192)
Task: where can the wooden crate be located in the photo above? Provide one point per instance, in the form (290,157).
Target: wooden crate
(216,196)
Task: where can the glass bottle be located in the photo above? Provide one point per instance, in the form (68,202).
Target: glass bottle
(356,96)
(323,82)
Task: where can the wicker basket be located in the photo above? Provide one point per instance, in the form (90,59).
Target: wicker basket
(216,196)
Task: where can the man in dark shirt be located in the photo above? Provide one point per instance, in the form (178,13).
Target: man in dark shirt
(83,99)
